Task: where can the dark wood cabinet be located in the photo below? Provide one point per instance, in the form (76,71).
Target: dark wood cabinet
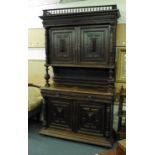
(79,110)
(80,47)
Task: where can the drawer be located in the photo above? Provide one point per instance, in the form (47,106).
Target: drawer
(81,96)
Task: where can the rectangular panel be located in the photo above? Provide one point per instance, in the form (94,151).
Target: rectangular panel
(60,113)
(94,45)
(91,118)
(62,43)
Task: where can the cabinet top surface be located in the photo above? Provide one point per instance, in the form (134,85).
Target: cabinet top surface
(77,90)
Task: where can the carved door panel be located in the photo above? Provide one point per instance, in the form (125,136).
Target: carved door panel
(62,48)
(91,118)
(60,113)
(94,45)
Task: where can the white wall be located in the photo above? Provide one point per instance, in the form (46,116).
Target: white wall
(36,53)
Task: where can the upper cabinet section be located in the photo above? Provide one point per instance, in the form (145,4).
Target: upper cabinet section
(81,37)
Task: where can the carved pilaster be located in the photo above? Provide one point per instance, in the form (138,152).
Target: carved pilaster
(108,122)
(47,45)
(44,122)
(112,47)
(47,76)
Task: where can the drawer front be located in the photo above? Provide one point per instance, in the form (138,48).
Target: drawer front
(82,96)
(91,118)
(59,113)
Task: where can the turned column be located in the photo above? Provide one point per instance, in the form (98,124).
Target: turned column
(47,76)
(108,121)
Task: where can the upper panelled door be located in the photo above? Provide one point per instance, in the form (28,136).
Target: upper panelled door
(94,44)
(62,45)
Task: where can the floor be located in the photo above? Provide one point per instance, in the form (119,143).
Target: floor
(44,145)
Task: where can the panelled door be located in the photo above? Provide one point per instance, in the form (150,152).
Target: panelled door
(62,45)
(91,118)
(60,113)
(94,45)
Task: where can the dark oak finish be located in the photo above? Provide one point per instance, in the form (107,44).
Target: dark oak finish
(62,43)
(80,46)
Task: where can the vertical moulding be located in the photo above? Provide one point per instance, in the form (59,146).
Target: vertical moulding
(108,118)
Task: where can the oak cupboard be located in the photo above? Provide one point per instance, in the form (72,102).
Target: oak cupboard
(80,47)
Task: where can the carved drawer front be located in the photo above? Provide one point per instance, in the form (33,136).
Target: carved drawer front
(62,46)
(84,97)
(59,113)
(91,118)
(94,45)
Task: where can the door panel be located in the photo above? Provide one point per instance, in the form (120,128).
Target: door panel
(60,113)
(62,43)
(94,45)
(91,118)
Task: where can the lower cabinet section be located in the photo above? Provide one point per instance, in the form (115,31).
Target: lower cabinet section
(78,117)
